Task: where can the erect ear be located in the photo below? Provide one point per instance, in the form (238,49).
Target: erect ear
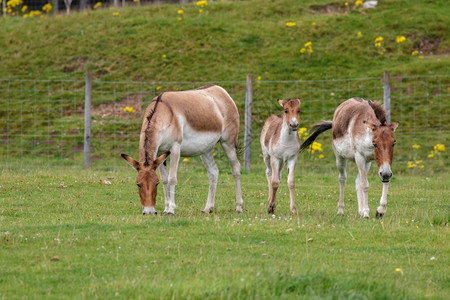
(394,125)
(371,125)
(281,102)
(299,102)
(160,160)
(131,161)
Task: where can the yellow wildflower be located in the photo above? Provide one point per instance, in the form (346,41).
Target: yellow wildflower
(346,3)
(24,8)
(291,24)
(439,148)
(313,24)
(158,88)
(415,146)
(180,11)
(359,34)
(379,41)
(97,5)
(185,159)
(415,52)
(258,78)
(115,14)
(47,8)
(308,44)
(202,3)
(431,155)
(321,156)
(200,11)
(179,18)
(358,3)
(410,164)
(302,50)
(129,109)
(302,131)
(420,56)
(400,39)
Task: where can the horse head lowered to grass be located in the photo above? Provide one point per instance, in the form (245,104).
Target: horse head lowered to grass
(360,133)
(186,123)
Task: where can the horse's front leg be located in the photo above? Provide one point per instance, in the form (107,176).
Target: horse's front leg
(213,175)
(275,164)
(172,179)
(165,182)
(381,210)
(362,185)
(291,183)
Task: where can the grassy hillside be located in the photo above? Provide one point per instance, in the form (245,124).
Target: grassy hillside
(229,40)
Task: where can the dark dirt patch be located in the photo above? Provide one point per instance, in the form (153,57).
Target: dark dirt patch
(331,8)
(117,109)
(427,45)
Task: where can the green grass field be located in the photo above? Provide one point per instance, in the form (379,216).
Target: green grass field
(67,234)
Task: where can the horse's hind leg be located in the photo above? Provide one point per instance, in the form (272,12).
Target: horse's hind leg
(213,175)
(230,151)
(291,184)
(341,164)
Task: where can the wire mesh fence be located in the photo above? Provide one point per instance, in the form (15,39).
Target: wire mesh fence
(42,121)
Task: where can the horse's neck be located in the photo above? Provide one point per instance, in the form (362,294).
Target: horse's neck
(148,145)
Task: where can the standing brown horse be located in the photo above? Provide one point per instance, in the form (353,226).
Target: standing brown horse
(360,133)
(280,143)
(186,123)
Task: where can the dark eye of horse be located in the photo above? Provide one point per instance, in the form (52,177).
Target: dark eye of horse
(285,111)
(138,185)
(374,145)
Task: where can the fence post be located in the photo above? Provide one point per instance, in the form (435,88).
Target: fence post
(248,122)
(87,122)
(387,96)
(4,8)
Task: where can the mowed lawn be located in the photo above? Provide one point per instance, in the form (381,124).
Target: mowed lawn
(71,234)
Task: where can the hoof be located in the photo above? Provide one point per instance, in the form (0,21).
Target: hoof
(271,210)
(379,215)
(208,211)
(168,214)
(294,211)
(239,209)
(340,213)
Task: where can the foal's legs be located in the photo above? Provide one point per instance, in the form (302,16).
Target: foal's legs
(341,164)
(274,183)
(291,183)
(230,151)
(213,175)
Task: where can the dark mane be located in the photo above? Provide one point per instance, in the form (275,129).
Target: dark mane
(379,112)
(149,118)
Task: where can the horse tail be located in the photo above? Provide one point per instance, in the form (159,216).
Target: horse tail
(317,129)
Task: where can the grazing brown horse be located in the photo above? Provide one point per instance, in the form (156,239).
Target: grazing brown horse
(186,123)
(280,143)
(360,133)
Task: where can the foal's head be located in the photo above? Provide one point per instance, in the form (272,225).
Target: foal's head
(383,143)
(291,111)
(147,181)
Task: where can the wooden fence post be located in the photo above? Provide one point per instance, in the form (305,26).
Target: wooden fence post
(248,122)
(387,96)
(87,122)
